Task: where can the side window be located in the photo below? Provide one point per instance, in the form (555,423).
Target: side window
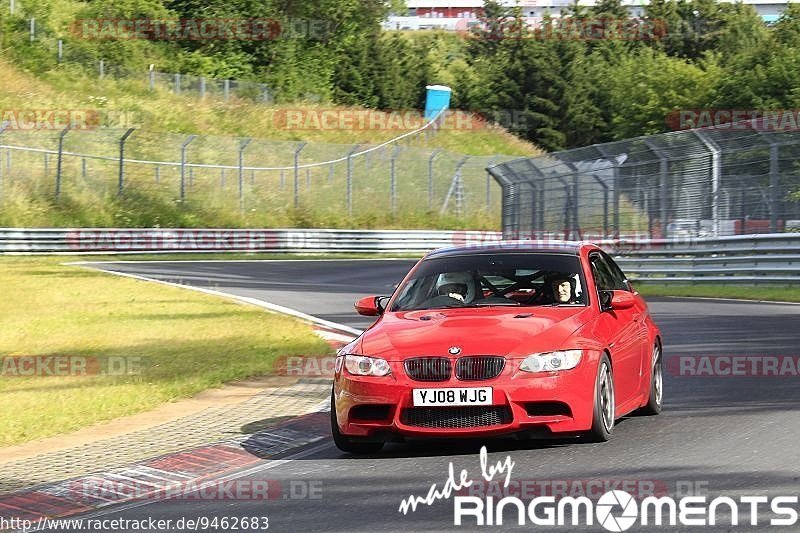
(602,274)
(620,280)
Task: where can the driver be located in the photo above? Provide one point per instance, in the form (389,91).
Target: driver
(456,285)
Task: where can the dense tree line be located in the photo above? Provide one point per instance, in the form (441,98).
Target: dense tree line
(590,76)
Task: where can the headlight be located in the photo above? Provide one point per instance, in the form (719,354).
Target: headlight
(551,361)
(360,365)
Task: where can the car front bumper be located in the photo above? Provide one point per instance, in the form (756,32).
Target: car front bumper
(550,402)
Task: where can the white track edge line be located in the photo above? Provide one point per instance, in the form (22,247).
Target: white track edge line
(243,299)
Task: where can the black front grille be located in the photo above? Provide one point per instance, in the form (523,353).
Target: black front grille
(428,368)
(479,367)
(456,417)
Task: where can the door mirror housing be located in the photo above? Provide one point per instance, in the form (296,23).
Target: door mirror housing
(617,300)
(370,306)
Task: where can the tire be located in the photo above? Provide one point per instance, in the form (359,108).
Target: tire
(654,402)
(604,412)
(347,444)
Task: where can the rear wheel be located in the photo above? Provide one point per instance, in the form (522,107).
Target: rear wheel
(347,444)
(604,407)
(653,406)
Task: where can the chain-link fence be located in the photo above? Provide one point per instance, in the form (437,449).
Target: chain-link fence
(65,51)
(727,180)
(243,176)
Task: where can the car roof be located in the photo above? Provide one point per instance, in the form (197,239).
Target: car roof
(547,246)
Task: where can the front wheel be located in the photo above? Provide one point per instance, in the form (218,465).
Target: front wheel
(347,444)
(604,407)
(653,406)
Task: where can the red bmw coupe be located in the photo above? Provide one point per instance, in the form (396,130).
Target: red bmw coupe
(521,338)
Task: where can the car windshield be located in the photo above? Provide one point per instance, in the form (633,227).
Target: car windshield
(493,280)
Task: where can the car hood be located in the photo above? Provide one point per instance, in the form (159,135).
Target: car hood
(509,332)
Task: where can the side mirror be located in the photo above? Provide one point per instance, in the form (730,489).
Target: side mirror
(370,306)
(618,300)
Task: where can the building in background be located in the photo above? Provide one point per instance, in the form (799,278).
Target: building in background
(451,14)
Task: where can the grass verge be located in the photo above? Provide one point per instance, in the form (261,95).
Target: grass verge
(774,293)
(185,343)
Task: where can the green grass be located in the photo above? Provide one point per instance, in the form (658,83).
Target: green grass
(774,293)
(187,342)
(163,120)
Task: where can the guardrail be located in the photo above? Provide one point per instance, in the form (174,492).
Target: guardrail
(772,258)
(751,259)
(159,241)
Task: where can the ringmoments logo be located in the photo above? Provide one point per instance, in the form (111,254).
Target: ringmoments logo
(615,510)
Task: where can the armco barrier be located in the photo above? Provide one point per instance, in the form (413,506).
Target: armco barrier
(772,258)
(751,259)
(133,241)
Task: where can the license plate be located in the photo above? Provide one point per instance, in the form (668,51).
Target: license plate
(462,396)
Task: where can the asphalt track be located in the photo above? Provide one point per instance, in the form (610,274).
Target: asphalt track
(729,436)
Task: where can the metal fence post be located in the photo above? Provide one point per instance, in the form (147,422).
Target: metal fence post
(603,184)
(430,176)
(663,173)
(83,167)
(616,198)
(456,188)
(774,187)
(297,174)
(121,182)
(3,128)
(392,178)
(177,87)
(158,174)
(242,146)
(349,191)
(537,217)
(60,50)
(507,187)
(189,139)
(571,226)
(489,184)
(226,88)
(102,69)
(716,169)
(152,76)
(33,29)
(60,158)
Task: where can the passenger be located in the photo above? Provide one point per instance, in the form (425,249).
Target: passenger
(564,290)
